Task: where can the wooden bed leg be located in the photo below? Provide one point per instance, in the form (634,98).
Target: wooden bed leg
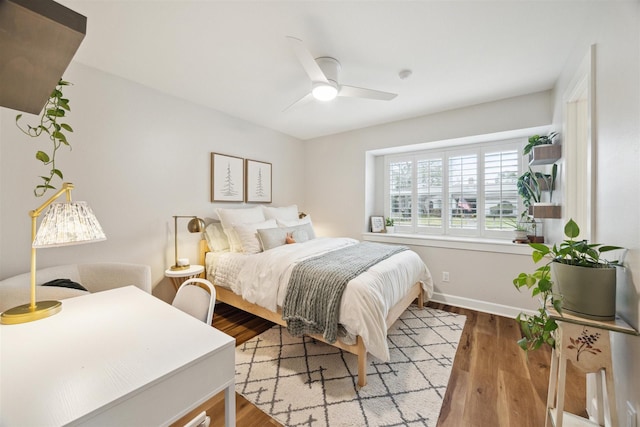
(362,363)
(421,298)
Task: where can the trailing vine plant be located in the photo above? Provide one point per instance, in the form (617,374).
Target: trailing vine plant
(53,112)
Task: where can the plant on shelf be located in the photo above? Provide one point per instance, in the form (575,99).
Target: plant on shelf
(389,225)
(520,227)
(536,140)
(538,328)
(531,184)
(575,252)
(529,188)
(50,124)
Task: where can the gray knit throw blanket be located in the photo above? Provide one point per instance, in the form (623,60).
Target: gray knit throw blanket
(312,302)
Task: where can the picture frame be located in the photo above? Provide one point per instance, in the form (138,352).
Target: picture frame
(377,224)
(257,181)
(227,178)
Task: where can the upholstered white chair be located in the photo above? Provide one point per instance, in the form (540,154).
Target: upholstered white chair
(94,277)
(196,297)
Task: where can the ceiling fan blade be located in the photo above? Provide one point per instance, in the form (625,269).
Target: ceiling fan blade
(307,60)
(302,101)
(358,92)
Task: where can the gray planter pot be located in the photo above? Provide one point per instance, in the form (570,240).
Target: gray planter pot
(586,292)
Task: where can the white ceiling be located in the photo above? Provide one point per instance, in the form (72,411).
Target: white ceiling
(233,56)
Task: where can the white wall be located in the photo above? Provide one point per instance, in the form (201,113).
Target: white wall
(335,179)
(138,157)
(336,175)
(617,130)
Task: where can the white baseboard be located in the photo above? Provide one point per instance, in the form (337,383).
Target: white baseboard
(478,305)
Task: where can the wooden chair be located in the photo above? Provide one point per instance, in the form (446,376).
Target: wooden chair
(196,297)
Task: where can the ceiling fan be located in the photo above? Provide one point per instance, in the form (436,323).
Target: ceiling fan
(323,73)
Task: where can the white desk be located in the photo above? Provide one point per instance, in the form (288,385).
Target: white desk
(120,357)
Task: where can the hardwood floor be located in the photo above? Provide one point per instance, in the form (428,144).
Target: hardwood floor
(492,382)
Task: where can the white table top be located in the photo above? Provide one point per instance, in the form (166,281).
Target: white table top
(101,349)
(192,270)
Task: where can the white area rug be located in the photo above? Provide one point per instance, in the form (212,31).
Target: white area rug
(303,382)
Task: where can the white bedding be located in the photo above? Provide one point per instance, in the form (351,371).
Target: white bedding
(262,279)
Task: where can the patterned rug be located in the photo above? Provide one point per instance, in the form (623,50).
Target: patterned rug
(303,382)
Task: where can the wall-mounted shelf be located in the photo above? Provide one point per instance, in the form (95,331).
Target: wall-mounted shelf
(545,211)
(545,154)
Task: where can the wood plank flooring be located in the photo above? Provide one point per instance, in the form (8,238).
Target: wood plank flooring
(492,382)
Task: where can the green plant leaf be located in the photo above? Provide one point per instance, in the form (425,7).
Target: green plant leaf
(541,247)
(522,342)
(60,136)
(57,172)
(537,256)
(557,304)
(609,248)
(66,127)
(571,229)
(42,156)
(545,285)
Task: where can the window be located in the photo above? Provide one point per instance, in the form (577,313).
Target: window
(462,191)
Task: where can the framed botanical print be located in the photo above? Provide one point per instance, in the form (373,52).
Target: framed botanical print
(258,182)
(377,224)
(227,178)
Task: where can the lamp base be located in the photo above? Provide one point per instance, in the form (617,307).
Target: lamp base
(179,267)
(24,313)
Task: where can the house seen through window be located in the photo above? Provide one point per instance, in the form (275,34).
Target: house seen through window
(461,191)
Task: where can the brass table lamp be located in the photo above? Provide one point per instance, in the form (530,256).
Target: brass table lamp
(195,225)
(67,223)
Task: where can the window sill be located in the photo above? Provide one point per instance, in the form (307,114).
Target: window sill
(449,242)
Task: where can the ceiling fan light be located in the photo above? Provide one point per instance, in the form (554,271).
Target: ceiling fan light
(324,92)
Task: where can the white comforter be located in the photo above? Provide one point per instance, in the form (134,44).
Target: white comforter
(263,278)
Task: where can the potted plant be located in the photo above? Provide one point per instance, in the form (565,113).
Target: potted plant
(528,187)
(520,228)
(389,225)
(586,281)
(583,284)
(531,186)
(536,140)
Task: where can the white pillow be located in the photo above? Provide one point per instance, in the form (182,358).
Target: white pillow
(248,235)
(293,222)
(216,238)
(231,217)
(286,213)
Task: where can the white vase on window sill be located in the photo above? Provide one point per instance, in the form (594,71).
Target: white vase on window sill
(390,229)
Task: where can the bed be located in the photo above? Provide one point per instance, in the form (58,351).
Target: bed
(247,258)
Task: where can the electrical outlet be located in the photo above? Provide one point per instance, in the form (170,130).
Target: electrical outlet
(445,276)
(632,418)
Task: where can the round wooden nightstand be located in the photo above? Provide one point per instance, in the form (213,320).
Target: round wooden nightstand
(179,276)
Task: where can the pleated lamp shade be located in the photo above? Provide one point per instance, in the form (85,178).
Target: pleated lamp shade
(68,223)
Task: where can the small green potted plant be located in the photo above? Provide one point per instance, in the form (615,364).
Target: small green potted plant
(528,186)
(389,225)
(536,140)
(520,227)
(586,281)
(584,284)
(531,185)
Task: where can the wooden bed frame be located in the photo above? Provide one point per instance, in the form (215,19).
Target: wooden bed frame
(229,297)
